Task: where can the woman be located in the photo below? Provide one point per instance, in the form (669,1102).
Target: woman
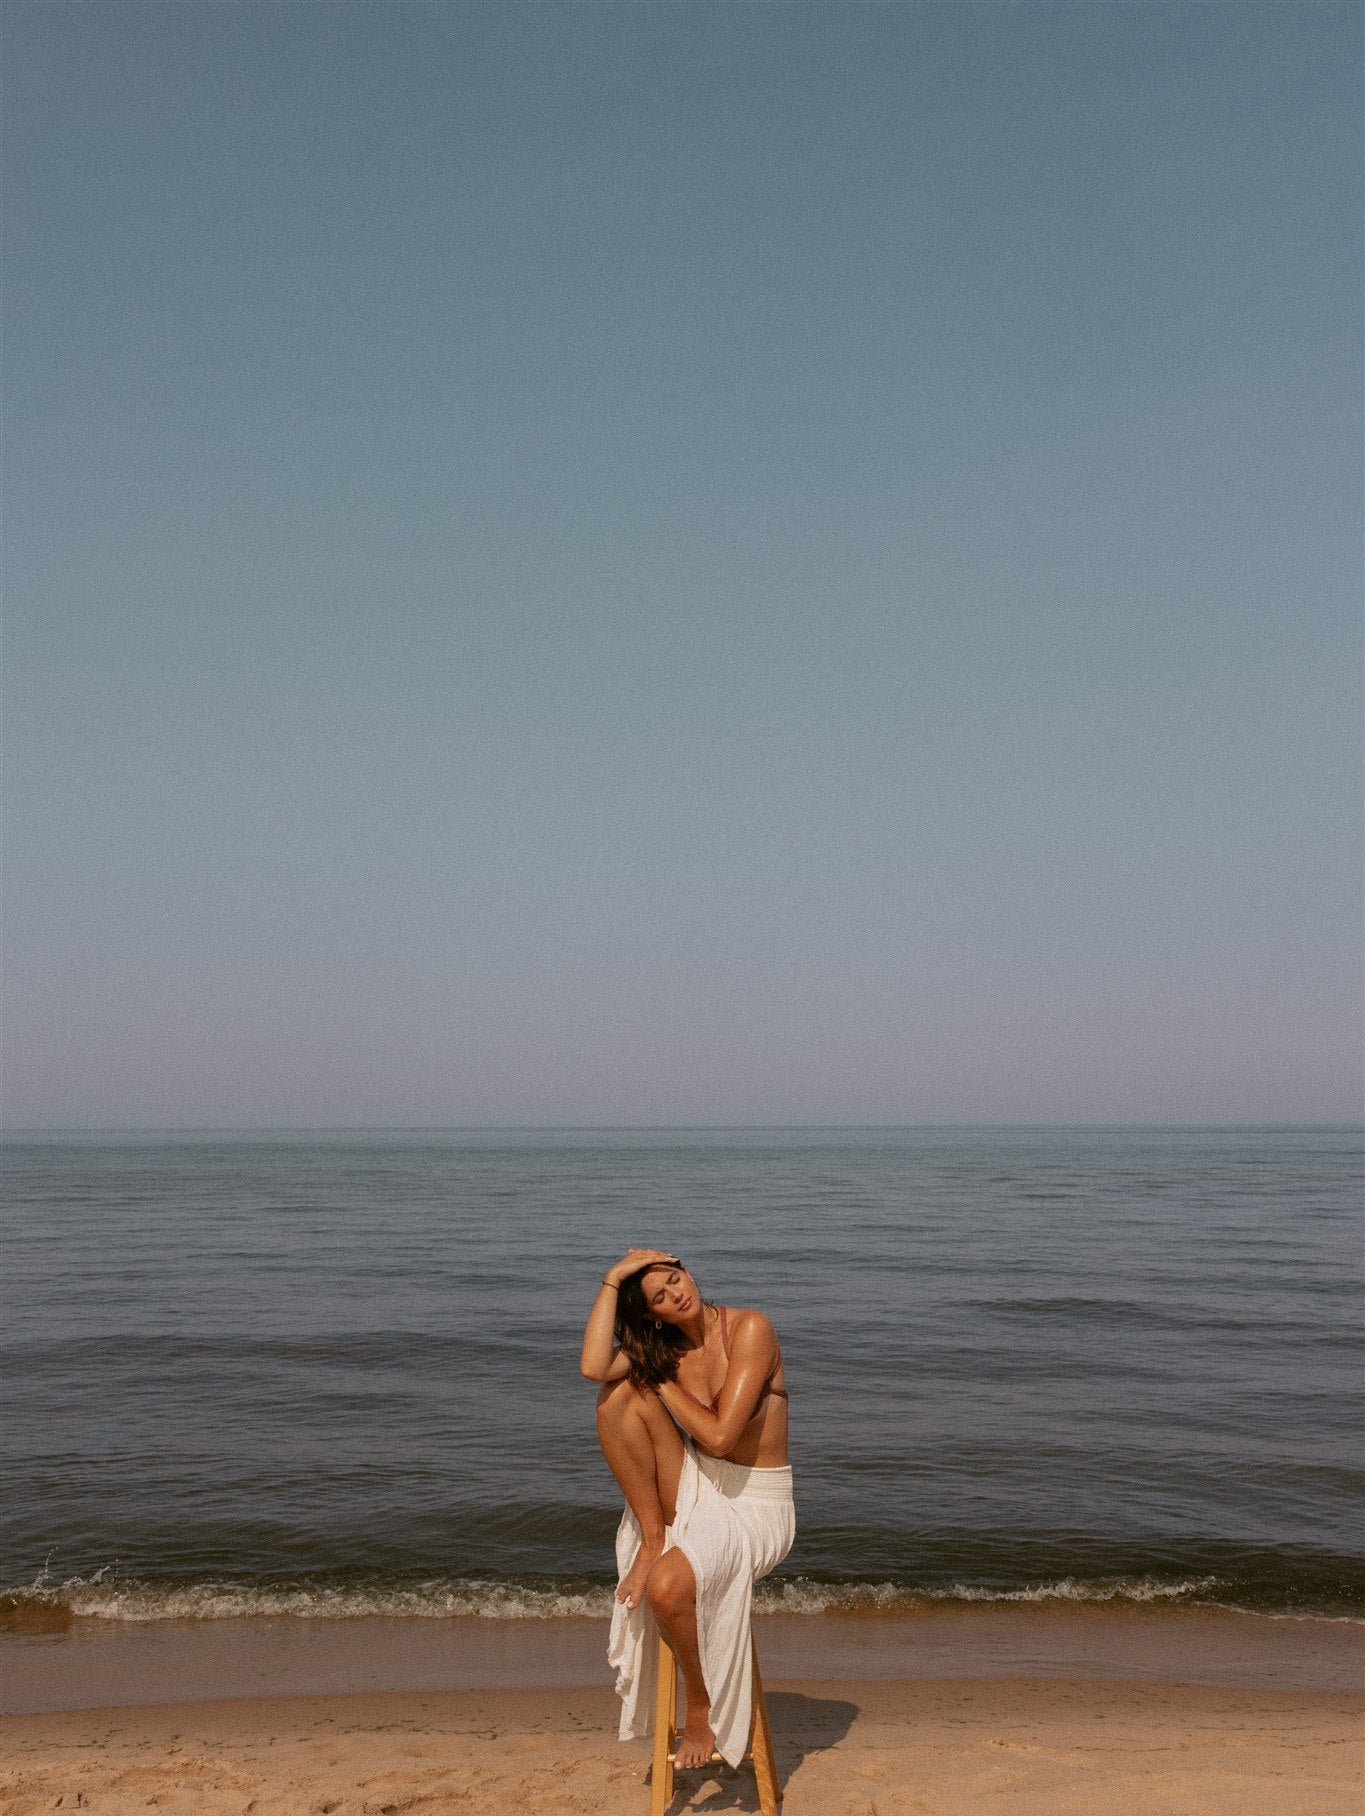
(692,1418)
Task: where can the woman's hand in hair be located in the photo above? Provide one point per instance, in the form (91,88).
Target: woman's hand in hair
(635,1261)
(601,1360)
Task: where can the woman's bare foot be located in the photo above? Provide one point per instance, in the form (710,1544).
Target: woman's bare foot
(632,1585)
(696,1743)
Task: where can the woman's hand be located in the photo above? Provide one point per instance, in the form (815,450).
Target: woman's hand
(634,1261)
(753,1356)
(601,1360)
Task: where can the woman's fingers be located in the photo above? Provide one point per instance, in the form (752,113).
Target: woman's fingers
(640,1257)
(636,1260)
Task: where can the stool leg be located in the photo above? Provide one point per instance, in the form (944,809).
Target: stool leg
(765,1760)
(665,1715)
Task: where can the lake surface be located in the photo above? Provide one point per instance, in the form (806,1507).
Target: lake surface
(337,1373)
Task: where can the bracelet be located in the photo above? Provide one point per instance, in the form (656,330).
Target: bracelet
(615,1285)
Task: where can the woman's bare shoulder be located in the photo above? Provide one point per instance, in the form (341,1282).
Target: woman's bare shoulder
(747,1320)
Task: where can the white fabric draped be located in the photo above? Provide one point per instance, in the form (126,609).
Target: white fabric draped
(734,1525)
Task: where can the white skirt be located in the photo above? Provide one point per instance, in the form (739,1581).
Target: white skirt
(734,1524)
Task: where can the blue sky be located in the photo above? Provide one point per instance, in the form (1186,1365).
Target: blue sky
(682,563)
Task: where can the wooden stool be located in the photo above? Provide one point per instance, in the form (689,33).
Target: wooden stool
(665,1738)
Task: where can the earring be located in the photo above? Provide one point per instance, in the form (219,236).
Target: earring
(658,1324)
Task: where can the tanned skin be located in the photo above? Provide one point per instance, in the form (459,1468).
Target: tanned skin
(719,1402)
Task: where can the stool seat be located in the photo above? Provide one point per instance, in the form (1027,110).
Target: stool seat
(665,1738)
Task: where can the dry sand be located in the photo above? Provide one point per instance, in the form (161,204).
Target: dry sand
(866,1747)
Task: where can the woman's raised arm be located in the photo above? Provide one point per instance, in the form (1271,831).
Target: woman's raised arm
(601,1360)
(753,1352)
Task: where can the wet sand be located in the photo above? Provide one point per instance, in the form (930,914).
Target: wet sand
(72,1663)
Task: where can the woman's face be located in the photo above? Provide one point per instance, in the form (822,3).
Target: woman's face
(670,1294)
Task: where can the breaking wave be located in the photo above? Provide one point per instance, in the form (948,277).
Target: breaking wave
(47,1605)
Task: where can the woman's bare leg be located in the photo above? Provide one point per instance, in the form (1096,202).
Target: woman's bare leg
(672,1592)
(645,1453)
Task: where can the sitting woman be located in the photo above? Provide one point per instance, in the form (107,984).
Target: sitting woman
(692,1418)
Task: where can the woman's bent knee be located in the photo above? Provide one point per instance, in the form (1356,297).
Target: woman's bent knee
(671,1588)
(617,1396)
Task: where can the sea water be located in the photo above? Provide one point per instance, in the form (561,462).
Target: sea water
(337,1373)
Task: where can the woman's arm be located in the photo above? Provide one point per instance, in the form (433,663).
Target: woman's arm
(601,1360)
(753,1351)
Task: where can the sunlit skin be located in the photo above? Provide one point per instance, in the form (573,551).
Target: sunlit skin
(716,1402)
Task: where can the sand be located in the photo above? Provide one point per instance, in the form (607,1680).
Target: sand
(1025,1713)
(50,1660)
(935,1747)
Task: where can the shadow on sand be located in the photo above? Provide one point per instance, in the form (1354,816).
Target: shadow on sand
(801,1725)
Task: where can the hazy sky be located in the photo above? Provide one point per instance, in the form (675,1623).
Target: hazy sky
(636,563)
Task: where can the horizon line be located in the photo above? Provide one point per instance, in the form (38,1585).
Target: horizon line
(609,1128)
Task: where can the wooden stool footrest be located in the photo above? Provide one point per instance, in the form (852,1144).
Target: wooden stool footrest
(665,1735)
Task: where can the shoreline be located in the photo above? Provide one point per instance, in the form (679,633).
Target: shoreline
(96,1663)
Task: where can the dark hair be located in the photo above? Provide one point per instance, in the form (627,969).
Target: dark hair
(651,1347)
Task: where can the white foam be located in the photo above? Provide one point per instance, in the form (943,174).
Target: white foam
(1069,1590)
(108,1596)
(127,1599)
(799,1596)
